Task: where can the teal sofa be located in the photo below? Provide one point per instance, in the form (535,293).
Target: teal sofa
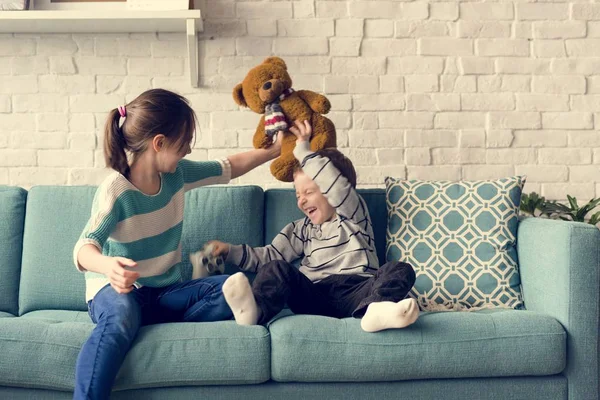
(548,351)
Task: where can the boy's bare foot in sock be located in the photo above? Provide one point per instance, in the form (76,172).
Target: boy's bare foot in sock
(239,297)
(387,314)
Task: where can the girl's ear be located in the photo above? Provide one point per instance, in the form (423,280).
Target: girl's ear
(159,142)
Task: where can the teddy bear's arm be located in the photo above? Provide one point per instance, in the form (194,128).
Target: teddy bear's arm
(317,102)
(261,140)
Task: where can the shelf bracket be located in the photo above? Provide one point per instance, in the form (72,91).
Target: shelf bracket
(192,44)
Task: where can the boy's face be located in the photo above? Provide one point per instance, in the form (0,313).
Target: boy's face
(310,199)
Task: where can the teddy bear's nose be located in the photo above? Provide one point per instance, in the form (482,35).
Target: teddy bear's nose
(267,86)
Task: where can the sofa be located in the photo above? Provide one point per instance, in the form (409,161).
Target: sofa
(547,351)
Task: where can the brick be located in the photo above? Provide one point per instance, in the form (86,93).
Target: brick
(218,9)
(376,138)
(415,65)
(384,47)
(5,104)
(257,10)
(36,140)
(559,191)
(332,9)
(71,84)
(208,102)
(438,173)
(513,65)
(593,29)
(433,102)
(354,27)
(419,29)
(65,158)
(4,179)
(311,27)
(458,156)
(12,47)
(95,103)
(304,46)
(543,12)
(562,84)
(17,122)
(364,84)
(217,47)
(559,30)
(585,11)
(486,11)
(162,48)
(314,65)
(549,48)
(583,47)
(107,65)
(304,9)
(585,139)
(446,47)
(365,120)
(340,102)
(233,120)
(522,30)
(376,175)
(341,120)
(511,156)
(260,27)
(29,65)
(378,28)
(593,84)
(539,138)
(588,173)
(459,120)
(85,43)
(375,9)
(476,65)
(569,156)
(28,177)
(18,84)
(542,102)
(62,65)
(337,84)
(393,156)
(504,83)
(154,66)
(432,138)
(109,46)
(567,120)
(443,11)
(585,103)
(422,120)
(40,103)
(119,84)
(470,138)
(502,47)
(418,156)
(253,46)
(344,47)
(391,84)
(222,138)
(492,102)
(568,66)
(87,176)
(486,172)
(17,158)
(358,65)
(360,156)
(483,29)
(421,83)
(52,122)
(379,102)
(514,120)
(459,84)
(543,173)
(499,138)
(82,141)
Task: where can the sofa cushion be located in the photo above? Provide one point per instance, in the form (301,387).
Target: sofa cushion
(281,209)
(460,237)
(12,215)
(56,216)
(5,315)
(489,343)
(41,353)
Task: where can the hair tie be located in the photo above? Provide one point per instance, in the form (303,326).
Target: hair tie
(122,111)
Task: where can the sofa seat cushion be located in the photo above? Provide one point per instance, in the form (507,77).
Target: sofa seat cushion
(41,351)
(5,315)
(488,343)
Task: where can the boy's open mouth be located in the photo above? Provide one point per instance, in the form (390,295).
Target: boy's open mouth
(310,210)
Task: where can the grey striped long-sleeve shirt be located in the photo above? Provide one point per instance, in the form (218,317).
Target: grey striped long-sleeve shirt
(345,245)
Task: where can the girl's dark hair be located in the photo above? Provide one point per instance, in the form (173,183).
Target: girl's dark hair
(156,111)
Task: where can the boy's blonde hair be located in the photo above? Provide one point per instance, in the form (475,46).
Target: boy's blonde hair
(340,161)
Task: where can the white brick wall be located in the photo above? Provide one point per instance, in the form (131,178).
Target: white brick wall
(422,89)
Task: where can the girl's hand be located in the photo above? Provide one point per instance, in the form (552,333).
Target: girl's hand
(219,248)
(122,280)
(302,131)
(275,148)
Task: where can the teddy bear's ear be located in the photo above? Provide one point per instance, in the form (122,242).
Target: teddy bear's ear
(238,95)
(277,61)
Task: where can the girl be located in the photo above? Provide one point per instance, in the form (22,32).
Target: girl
(130,248)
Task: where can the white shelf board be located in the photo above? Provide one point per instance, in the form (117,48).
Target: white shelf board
(96,21)
(109,21)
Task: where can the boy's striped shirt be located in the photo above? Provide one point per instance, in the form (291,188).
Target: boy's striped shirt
(145,228)
(343,246)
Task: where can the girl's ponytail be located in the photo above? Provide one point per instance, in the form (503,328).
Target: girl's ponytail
(115,144)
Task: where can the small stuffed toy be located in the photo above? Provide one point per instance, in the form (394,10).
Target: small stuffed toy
(267,90)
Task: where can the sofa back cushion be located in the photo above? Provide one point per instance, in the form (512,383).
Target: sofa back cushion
(281,209)
(56,215)
(12,215)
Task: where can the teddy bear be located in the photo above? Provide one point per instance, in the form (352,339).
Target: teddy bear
(267,89)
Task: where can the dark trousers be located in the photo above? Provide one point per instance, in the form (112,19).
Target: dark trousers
(339,296)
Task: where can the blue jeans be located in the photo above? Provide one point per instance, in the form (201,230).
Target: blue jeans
(118,317)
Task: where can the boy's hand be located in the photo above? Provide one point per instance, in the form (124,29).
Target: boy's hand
(121,280)
(219,248)
(302,131)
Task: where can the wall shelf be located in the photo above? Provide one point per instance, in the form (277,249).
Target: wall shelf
(109,21)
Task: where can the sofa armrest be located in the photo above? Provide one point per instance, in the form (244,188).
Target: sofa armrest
(559,265)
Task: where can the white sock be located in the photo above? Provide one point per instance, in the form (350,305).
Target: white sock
(387,314)
(239,297)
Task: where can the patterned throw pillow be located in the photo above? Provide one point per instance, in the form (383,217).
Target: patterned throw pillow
(460,237)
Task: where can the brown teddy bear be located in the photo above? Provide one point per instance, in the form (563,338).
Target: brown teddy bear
(267,90)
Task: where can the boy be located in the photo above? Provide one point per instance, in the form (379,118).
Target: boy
(339,275)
